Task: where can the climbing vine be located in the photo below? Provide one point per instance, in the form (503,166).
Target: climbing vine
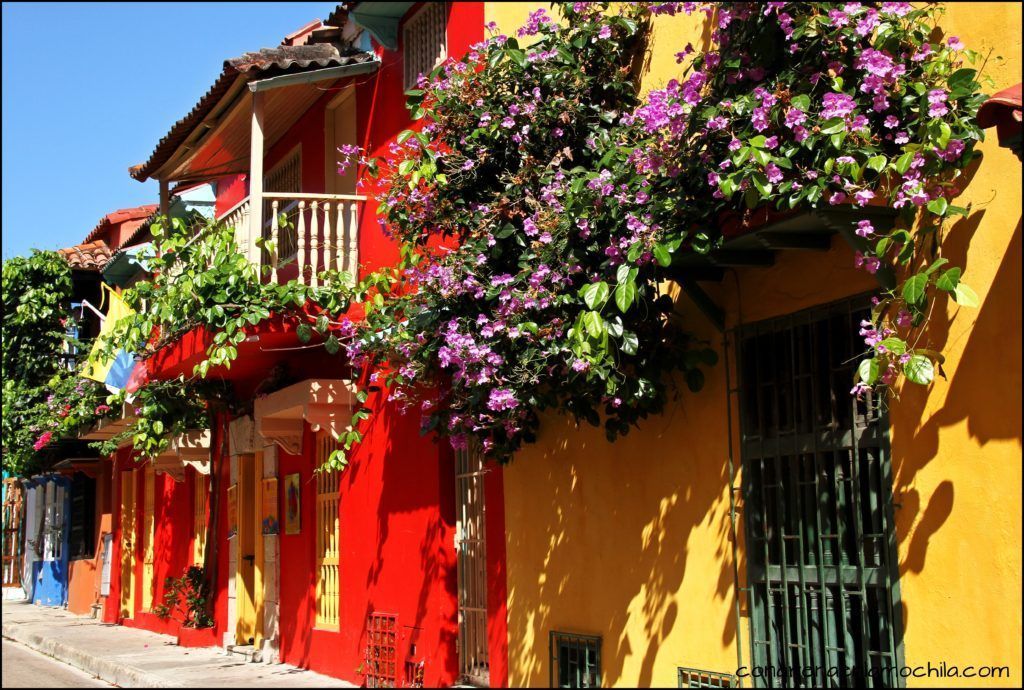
(541,202)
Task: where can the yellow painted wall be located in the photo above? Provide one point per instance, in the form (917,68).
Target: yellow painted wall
(631,540)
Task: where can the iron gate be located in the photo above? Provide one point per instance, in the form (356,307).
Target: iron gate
(817,489)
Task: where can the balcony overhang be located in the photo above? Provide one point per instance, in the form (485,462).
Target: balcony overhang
(109,427)
(191,448)
(324,403)
(381,20)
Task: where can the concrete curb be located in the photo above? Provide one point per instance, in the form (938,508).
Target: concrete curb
(115,672)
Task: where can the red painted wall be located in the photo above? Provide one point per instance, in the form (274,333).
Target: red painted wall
(397,516)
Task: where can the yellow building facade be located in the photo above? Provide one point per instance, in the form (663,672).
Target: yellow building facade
(632,541)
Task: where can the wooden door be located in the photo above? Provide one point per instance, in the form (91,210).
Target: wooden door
(128,480)
(247,575)
(341,130)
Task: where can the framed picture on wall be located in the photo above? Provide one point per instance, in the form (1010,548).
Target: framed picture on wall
(292,504)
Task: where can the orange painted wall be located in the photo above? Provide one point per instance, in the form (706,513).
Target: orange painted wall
(84,573)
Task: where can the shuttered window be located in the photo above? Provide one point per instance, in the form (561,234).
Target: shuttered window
(327,575)
(199,520)
(424,41)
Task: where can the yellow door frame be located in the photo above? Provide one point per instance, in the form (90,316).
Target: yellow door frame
(148,537)
(128,484)
(249,571)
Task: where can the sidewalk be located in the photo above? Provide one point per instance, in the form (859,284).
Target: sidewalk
(140,659)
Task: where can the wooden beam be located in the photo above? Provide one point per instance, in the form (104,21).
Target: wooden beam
(706,305)
(707,274)
(741,257)
(818,241)
(255,178)
(165,198)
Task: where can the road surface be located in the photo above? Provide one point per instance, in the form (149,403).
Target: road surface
(27,668)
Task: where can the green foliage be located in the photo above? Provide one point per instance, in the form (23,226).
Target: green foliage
(185,600)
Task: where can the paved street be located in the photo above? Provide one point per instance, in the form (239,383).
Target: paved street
(25,668)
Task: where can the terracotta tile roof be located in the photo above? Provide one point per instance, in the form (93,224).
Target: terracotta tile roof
(133,216)
(89,256)
(314,46)
(1007,99)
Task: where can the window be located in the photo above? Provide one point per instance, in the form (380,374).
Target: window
(817,493)
(696,678)
(575,660)
(327,576)
(471,545)
(380,667)
(424,41)
(286,176)
(199,520)
(82,527)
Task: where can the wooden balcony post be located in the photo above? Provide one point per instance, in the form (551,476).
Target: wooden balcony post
(255,179)
(165,197)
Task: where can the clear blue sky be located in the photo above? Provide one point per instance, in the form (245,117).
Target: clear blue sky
(90,88)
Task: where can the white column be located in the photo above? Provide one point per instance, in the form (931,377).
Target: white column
(255,178)
(271,574)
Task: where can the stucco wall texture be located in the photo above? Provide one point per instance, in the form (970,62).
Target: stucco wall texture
(631,540)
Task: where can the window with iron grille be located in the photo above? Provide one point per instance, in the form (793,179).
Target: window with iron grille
(697,678)
(285,176)
(817,492)
(327,535)
(575,660)
(82,526)
(424,41)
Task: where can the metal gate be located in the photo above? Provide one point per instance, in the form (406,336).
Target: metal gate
(474,664)
(817,488)
(13,532)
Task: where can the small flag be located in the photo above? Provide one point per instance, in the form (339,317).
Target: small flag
(114,372)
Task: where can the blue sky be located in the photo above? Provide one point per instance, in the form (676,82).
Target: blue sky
(90,88)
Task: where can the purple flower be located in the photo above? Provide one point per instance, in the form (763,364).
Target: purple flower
(955,43)
(837,104)
(508,123)
(903,318)
(891,121)
(605,32)
(863,196)
(865,228)
(774,173)
(580,365)
(502,399)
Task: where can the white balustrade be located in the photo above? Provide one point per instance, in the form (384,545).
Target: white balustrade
(316,232)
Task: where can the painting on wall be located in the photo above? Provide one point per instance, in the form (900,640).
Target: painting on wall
(292,504)
(269,522)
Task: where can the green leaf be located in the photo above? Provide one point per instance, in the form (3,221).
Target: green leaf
(938,206)
(594,324)
(914,288)
(903,162)
(695,380)
(897,346)
(868,371)
(630,343)
(661,255)
(833,126)
(965,296)
(939,263)
(949,280)
(877,163)
(332,345)
(304,331)
(595,295)
(625,294)
(919,369)
(406,166)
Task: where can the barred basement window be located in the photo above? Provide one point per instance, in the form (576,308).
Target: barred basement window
(696,678)
(380,667)
(285,176)
(424,41)
(327,576)
(575,660)
(199,520)
(817,494)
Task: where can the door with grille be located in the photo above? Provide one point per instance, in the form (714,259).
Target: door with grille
(474,663)
(818,513)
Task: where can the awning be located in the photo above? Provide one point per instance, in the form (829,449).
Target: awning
(125,265)
(381,20)
(324,403)
(1003,111)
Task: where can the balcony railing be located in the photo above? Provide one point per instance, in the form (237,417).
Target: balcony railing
(304,234)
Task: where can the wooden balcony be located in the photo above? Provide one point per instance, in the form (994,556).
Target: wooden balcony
(304,234)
